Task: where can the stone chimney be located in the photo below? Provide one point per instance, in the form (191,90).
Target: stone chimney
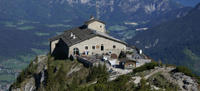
(92,18)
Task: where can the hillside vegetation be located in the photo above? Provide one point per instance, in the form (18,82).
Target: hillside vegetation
(47,74)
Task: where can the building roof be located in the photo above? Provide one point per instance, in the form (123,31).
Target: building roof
(82,34)
(113,56)
(126,60)
(93,20)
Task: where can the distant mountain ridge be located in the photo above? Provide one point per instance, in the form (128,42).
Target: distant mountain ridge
(146,13)
(188,2)
(137,10)
(26,25)
(175,42)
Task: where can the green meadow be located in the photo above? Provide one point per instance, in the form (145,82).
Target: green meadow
(117,28)
(39,51)
(42,34)
(26,27)
(191,55)
(58,33)
(26,58)
(45,43)
(14,64)
(57,25)
(8,24)
(7,77)
(66,21)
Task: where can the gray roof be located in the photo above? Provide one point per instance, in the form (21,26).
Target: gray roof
(82,34)
(93,20)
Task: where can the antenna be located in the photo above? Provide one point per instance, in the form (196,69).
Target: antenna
(91,17)
(140,51)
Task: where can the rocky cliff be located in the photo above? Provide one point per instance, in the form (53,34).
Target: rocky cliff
(47,74)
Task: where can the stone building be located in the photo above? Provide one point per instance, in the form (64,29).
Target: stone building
(126,63)
(89,39)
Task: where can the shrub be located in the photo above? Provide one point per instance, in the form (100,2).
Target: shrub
(55,81)
(119,84)
(129,52)
(198,80)
(123,79)
(146,66)
(71,58)
(184,70)
(103,78)
(29,71)
(98,73)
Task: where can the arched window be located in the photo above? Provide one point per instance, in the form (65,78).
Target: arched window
(76,51)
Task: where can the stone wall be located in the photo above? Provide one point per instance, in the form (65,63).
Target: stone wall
(97,42)
(97,26)
(53,45)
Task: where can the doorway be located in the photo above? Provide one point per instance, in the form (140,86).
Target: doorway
(102,47)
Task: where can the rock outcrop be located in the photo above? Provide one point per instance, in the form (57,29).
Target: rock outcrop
(186,83)
(35,81)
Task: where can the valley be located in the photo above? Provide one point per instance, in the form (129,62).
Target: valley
(26,26)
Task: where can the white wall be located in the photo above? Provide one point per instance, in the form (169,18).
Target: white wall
(98,41)
(98,26)
(53,45)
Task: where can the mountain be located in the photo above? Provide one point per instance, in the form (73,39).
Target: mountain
(26,25)
(47,74)
(49,17)
(112,10)
(174,42)
(188,2)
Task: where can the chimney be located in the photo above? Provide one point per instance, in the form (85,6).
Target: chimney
(140,51)
(71,34)
(74,37)
(91,17)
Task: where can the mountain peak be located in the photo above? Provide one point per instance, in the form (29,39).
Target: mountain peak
(48,74)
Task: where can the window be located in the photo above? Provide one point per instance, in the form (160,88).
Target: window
(130,65)
(86,47)
(114,46)
(100,26)
(102,47)
(97,46)
(76,51)
(93,47)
